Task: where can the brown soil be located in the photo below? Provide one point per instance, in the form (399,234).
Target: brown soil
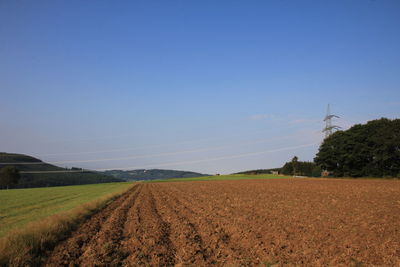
(280,222)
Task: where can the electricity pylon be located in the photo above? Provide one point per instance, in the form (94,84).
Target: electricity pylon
(329,128)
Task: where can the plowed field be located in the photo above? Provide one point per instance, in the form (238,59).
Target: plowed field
(303,222)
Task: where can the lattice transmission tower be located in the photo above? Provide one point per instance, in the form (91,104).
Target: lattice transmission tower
(329,128)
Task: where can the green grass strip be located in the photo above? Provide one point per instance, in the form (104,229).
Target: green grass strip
(19,207)
(25,246)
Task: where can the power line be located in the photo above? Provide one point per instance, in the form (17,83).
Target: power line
(215,159)
(61,171)
(191,161)
(143,147)
(144,155)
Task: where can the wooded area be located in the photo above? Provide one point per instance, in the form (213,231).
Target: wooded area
(364,150)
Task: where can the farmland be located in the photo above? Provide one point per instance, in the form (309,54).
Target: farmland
(222,177)
(309,222)
(21,206)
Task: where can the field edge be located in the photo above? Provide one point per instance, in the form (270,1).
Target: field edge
(23,247)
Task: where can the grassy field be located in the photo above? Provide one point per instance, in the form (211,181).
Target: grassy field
(21,206)
(222,177)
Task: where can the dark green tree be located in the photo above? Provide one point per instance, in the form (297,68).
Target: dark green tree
(295,163)
(9,176)
(316,171)
(302,168)
(287,169)
(371,149)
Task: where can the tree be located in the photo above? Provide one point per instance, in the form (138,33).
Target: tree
(316,171)
(303,168)
(9,176)
(287,169)
(371,149)
(295,163)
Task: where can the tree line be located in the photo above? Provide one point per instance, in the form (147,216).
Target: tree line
(364,150)
(301,168)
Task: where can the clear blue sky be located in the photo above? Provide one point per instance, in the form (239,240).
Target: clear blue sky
(209,86)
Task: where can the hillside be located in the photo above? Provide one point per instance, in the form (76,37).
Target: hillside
(152,174)
(24,164)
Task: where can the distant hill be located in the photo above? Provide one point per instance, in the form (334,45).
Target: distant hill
(152,174)
(24,164)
